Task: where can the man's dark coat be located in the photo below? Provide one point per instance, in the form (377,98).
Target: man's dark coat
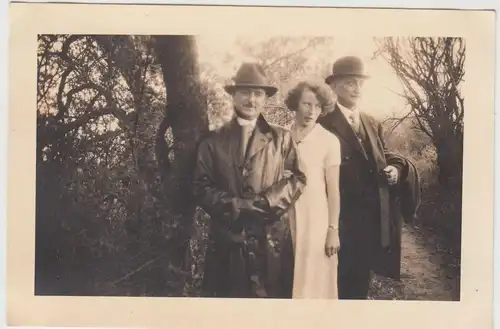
(370,221)
(270,169)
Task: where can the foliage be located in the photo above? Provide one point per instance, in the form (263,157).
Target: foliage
(431,71)
(118,119)
(287,61)
(101,102)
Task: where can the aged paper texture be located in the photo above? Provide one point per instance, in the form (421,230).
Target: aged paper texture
(474,309)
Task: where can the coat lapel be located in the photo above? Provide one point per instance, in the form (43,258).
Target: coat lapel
(340,124)
(261,137)
(372,137)
(234,140)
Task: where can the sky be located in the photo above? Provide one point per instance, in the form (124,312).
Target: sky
(379,95)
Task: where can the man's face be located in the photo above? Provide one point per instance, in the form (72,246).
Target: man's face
(249,102)
(348,90)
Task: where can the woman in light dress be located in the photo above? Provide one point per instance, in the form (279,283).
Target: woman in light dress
(315,217)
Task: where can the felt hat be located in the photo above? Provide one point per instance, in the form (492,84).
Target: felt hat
(251,75)
(347,66)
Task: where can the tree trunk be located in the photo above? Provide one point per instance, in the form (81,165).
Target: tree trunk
(187,117)
(449,158)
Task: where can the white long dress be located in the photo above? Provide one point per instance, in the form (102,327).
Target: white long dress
(315,274)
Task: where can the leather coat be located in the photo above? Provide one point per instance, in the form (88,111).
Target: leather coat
(238,265)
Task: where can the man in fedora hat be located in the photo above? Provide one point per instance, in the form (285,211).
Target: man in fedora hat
(368,236)
(247,176)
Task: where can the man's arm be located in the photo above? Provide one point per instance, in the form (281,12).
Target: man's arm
(209,197)
(396,162)
(285,192)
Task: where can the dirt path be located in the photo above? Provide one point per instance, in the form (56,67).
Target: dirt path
(428,270)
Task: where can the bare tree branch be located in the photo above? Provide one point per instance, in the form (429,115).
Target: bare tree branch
(310,44)
(430,71)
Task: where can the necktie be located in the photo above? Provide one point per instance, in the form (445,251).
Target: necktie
(354,122)
(246,131)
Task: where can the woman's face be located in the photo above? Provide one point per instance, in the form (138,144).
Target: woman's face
(309,108)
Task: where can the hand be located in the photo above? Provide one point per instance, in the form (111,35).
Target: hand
(238,204)
(243,204)
(261,203)
(262,207)
(391,173)
(332,244)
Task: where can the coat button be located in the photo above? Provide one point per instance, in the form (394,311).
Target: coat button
(247,190)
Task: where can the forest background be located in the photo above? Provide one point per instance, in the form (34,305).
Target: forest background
(119,118)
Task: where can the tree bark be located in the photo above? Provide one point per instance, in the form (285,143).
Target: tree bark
(449,159)
(186,116)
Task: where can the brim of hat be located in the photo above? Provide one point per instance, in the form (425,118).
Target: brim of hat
(270,90)
(332,77)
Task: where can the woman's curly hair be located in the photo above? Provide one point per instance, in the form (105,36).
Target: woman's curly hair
(323,92)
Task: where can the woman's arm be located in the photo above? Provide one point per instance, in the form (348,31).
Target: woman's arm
(332,172)
(332,243)
(332,188)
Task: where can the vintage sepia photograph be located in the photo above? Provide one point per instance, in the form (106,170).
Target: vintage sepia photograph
(145,185)
(178,165)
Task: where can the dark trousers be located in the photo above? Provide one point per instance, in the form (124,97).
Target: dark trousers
(359,247)
(353,279)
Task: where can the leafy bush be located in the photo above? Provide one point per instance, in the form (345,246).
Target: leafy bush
(104,224)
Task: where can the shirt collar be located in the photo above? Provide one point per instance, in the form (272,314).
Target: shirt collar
(347,112)
(244,122)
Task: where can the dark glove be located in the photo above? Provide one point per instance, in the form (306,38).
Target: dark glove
(267,215)
(261,203)
(251,212)
(243,206)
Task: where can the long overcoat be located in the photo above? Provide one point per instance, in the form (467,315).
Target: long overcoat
(405,197)
(271,169)
(365,193)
